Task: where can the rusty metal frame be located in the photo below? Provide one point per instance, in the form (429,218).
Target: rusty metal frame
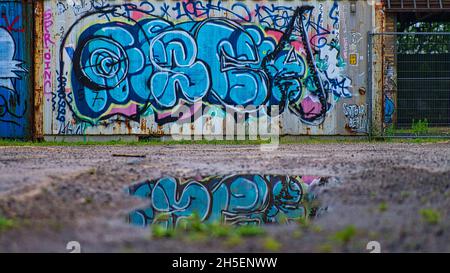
(37,85)
(369,99)
(402,8)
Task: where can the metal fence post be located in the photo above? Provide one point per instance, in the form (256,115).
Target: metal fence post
(369,98)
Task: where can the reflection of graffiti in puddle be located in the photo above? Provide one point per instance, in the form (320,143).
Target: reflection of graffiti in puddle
(235,199)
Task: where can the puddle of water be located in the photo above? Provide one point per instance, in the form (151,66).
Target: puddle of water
(235,199)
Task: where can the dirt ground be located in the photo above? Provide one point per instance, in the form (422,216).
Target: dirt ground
(76,193)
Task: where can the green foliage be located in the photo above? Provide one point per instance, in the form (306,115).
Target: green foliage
(150,142)
(389,130)
(195,230)
(250,230)
(233,240)
(430,216)
(423,44)
(383,207)
(304,222)
(220,230)
(271,244)
(6,224)
(197,237)
(420,127)
(194,224)
(160,231)
(156,142)
(345,235)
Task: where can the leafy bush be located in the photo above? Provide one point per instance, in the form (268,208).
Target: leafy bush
(420,127)
(389,130)
(345,235)
(430,216)
(6,224)
(271,244)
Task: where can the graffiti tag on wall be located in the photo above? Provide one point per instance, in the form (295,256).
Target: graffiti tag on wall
(48,42)
(390,88)
(356,115)
(132,58)
(12,98)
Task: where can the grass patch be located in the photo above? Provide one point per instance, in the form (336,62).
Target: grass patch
(250,231)
(304,222)
(152,142)
(283,140)
(220,230)
(383,207)
(345,235)
(420,131)
(430,216)
(233,240)
(6,224)
(390,131)
(197,237)
(419,127)
(159,231)
(7,142)
(193,229)
(271,244)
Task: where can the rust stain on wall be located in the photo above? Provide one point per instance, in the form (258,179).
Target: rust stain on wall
(38,51)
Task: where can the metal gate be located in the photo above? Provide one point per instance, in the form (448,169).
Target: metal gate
(16,92)
(410,82)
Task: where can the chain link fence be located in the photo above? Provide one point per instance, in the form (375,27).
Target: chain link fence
(413,72)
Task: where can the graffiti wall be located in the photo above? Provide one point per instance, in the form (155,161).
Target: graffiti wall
(115,67)
(234,199)
(15,91)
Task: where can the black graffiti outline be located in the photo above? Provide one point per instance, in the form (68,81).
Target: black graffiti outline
(6,110)
(284,41)
(110,9)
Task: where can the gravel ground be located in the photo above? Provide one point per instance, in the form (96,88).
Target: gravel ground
(61,194)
